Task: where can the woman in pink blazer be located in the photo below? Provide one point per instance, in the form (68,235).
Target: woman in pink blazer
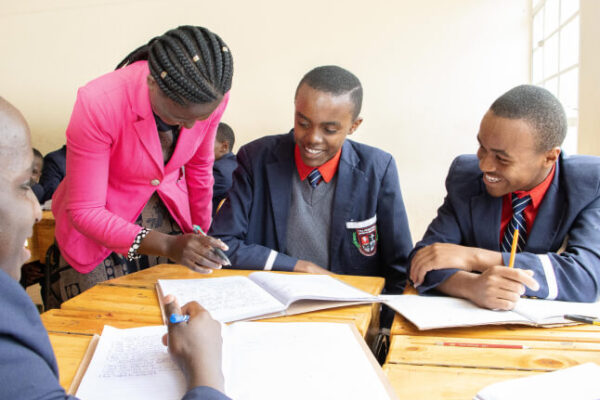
(139,163)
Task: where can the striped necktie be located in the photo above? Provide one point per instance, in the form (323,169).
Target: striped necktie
(517,221)
(314,178)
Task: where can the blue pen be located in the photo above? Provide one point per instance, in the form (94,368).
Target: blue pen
(216,251)
(176,318)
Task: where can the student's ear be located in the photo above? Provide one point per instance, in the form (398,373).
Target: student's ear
(150,81)
(551,156)
(224,147)
(355,125)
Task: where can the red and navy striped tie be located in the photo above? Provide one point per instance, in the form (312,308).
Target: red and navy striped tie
(517,221)
(314,178)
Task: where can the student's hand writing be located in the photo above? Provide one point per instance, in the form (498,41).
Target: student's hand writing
(195,345)
(310,268)
(195,251)
(449,255)
(497,288)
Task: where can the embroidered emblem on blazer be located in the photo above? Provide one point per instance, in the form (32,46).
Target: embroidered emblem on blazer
(365,235)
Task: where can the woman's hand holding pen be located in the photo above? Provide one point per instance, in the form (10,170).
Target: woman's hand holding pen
(196,252)
(195,344)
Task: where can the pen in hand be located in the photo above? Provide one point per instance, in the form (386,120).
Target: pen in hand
(176,318)
(216,251)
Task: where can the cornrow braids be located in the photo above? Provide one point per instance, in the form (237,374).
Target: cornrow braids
(190,64)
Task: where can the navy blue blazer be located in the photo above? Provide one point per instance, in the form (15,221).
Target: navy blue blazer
(53,172)
(223,173)
(28,368)
(369,232)
(563,245)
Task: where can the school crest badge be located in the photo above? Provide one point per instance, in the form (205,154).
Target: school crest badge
(365,235)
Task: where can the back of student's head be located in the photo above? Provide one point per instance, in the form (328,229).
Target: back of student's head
(538,107)
(225,134)
(337,81)
(190,64)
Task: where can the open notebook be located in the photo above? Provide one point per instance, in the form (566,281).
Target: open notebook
(432,312)
(263,294)
(261,360)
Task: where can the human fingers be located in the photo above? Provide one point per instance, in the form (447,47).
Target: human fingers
(213,242)
(522,276)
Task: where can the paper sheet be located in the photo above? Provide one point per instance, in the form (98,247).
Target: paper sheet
(261,360)
(299,361)
(431,312)
(226,299)
(575,383)
(288,288)
(132,364)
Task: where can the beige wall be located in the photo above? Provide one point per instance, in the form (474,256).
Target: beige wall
(430,68)
(589,78)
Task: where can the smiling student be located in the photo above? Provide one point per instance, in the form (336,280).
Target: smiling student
(313,201)
(519,178)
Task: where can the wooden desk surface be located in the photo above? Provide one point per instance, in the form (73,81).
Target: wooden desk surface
(131,301)
(419,366)
(43,237)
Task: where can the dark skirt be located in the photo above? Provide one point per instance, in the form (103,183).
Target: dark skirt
(66,282)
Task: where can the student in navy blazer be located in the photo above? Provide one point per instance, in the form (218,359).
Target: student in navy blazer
(53,172)
(225,164)
(369,232)
(519,151)
(28,368)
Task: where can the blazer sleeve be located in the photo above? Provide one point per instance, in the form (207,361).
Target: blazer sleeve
(232,222)
(204,393)
(573,274)
(395,242)
(198,171)
(52,175)
(89,143)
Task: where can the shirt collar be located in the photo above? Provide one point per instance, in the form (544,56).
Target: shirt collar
(537,193)
(327,170)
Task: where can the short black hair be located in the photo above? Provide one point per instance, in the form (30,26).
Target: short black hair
(36,153)
(225,134)
(337,81)
(538,107)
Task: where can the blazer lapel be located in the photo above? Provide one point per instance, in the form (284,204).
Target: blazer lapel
(548,219)
(486,213)
(148,135)
(279,174)
(348,178)
(145,127)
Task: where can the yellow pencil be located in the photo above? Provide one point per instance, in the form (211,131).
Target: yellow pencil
(513,248)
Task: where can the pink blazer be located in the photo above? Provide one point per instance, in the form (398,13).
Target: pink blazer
(115,163)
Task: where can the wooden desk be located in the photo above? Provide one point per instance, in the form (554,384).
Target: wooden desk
(419,366)
(43,237)
(131,301)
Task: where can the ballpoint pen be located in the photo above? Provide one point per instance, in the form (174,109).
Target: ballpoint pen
(216,251)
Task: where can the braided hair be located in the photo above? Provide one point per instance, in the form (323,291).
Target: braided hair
(190,64)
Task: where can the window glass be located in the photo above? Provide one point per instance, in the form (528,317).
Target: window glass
(569,44)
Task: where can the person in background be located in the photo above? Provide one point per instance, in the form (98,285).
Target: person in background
(314,201)
(140,151)
(28,368)
(53,172)
(36,167)
(519,178)
(225,164)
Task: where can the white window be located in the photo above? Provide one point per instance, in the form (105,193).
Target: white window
(555,57)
